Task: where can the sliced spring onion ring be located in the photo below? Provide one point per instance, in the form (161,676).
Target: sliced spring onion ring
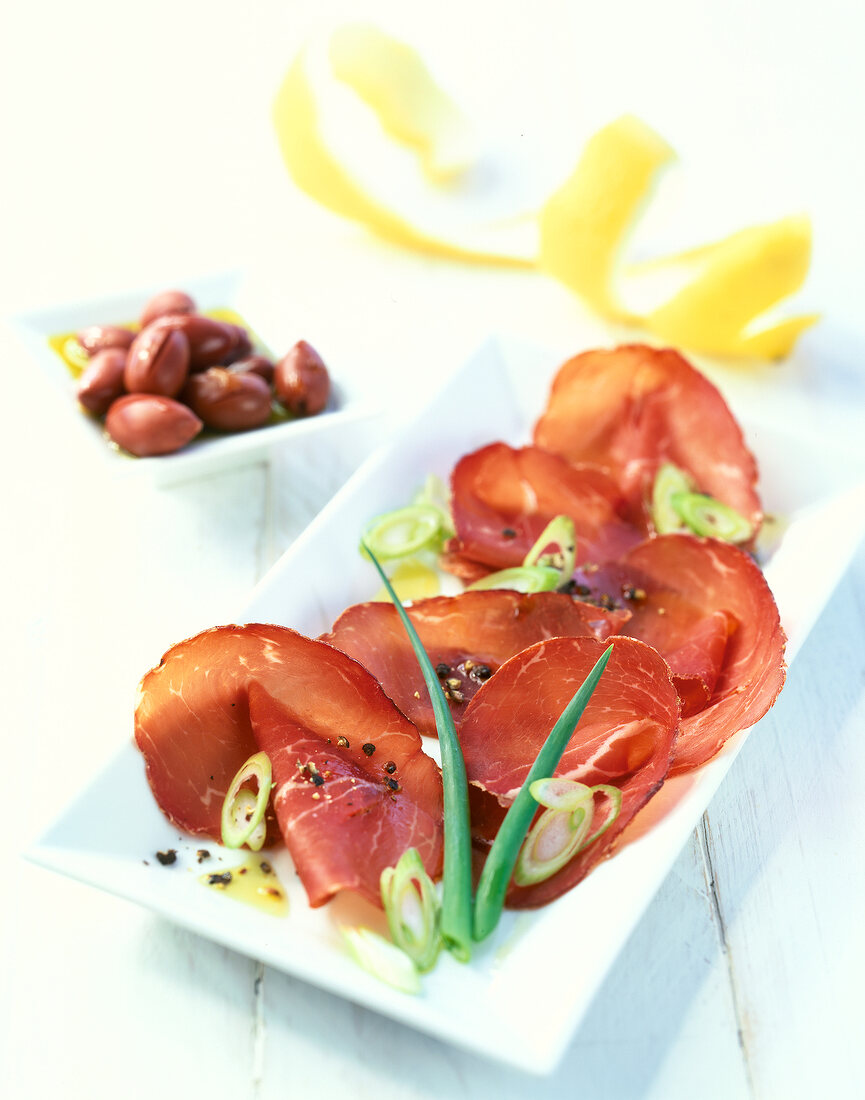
(382,959)
(242,811)
(561,832)
(614,795)
(556,547)
(558,793)
(522,578)
(705,515)
(669,480)
(413,910)
(503,854)
(403,531)
(456,917)
(553,840)
(435,494)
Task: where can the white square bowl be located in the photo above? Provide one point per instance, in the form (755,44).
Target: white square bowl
(212,451)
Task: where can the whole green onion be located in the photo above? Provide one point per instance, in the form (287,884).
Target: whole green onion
(505,849)
(456,917)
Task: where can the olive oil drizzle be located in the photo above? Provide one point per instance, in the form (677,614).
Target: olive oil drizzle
(255,883)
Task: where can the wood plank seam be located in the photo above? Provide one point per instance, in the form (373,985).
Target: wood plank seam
(259,1031)
(705,845)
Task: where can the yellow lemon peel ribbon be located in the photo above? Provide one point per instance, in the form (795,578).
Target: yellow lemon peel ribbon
(734,282)
(719,309)
(583,223)
(315,170)
(392,79)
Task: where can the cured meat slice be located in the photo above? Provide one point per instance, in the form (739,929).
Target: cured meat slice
(707,608)
(631,408)
(467,637)
(343,814)
(192,719)
(502,498)
(691,639)
(625,737)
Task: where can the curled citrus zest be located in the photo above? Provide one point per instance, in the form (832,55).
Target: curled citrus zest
(724,290)
(318,172)
(733,282)
(392,79)
(583,223)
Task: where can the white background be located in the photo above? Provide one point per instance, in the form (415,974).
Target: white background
(137,148)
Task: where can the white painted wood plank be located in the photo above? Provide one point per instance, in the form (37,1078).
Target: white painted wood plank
(663,1025)
(99,999)
(787,837)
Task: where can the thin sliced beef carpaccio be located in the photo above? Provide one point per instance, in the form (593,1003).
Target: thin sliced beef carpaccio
(192,719)
(625,737)
(467,637)
(706,606)
(630,409)
(690,637)
(503,497)
(344,815)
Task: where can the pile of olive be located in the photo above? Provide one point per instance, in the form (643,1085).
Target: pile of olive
(182,371)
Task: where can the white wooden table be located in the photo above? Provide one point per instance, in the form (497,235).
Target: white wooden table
(744,977)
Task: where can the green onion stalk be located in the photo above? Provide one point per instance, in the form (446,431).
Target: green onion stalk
(456,915)
(505,850)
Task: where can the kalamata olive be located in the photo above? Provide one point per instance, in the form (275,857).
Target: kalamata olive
(169,301)
(227,400)
(157,362)
(99,337)
(102,381)
(256,364)
(150,424)
(301,380)
(210,341)
(242,348)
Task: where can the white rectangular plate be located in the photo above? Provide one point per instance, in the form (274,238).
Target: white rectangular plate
(210,452)
(524,993)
